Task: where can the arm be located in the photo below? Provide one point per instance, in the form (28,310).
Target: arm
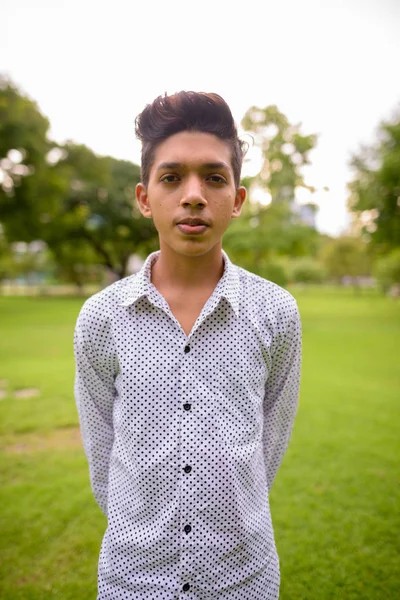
(94,394)
(281,395)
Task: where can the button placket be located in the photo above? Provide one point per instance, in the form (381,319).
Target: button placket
(186,517)
(187,468)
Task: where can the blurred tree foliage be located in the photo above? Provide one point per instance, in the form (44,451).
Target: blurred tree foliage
(24,172)
(82,205)
(283,148)
(5,257)
(307,270)
(346,256)
(265,234)
(79,203)
(375,190)
(262,234)
(97,214)
(22,260)
(387,271)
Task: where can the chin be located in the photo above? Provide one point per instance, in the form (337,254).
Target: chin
(190,248)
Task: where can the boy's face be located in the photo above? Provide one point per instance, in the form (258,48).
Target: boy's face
(191,177)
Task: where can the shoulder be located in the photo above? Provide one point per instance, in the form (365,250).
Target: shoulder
(103,306)
(267,297)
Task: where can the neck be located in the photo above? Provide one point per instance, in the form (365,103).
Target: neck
(187,273)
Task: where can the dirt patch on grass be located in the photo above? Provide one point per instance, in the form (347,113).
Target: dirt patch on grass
(68,438)
(26,393)
(3,388)
(20,394)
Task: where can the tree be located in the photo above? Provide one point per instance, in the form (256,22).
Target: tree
(265,234)
(77,263)
(30,262)
(307,270)
(79,203)
(283,148)
(387,271)
(97,209)
(24,172)
(22,128)
(375,190)
(346,256)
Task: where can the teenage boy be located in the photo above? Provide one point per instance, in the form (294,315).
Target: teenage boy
(187,379)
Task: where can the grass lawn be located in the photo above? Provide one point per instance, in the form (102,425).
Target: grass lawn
(336,499)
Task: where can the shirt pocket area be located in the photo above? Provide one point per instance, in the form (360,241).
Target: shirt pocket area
(240,420)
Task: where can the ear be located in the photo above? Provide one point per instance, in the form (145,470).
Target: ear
(240,197)
(143,200)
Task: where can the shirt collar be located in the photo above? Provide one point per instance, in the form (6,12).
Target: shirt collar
(141,285)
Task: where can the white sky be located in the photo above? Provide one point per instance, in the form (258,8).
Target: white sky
(92,65)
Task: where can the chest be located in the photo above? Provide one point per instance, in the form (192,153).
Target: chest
(226,351)
(221,377)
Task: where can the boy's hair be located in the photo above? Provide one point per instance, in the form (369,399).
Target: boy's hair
(187,111)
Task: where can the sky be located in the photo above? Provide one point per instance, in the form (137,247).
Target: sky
(330,66)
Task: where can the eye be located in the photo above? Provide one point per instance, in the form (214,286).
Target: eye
(217,179)
(169,178)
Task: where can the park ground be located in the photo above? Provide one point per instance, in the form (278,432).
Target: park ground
(336,499)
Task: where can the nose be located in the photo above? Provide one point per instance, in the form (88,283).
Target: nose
(193,193)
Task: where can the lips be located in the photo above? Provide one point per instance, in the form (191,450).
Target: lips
(192,226)
(192,221)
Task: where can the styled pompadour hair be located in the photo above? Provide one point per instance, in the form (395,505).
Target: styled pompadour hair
(187,111)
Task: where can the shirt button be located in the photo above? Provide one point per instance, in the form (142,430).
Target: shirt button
(186,587)
(187,349)
(188,529)
(187,469)
(187,406)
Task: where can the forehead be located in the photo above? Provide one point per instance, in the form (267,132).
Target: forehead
(193,148)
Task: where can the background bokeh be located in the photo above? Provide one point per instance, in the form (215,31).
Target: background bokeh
(314,90)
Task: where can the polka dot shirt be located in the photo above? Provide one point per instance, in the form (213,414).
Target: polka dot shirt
(184,434)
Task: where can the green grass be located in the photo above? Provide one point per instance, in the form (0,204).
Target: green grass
(336,499)
(36,351)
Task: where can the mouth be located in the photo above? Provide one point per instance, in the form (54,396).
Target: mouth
(192,226)
(192,229)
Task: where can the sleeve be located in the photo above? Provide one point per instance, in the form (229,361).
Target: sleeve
(281,396)
(94,394)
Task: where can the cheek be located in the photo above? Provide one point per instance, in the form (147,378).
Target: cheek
(225,207)
(160,214)
(157,206)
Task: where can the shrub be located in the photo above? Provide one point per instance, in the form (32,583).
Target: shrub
(307,270)
(275,271)
(387,270)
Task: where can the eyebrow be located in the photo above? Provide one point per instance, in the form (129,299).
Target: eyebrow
(178,165)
